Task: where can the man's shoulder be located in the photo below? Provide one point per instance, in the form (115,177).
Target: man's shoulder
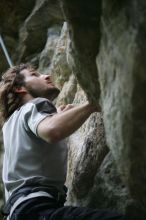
(42,105)
(39,100)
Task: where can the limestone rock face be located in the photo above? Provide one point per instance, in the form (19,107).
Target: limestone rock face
(45,14)
(84,31)
(94,50)
(13,13)
(123,86)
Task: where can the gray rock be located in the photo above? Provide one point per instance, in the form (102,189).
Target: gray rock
(98,55)
(84,33)
(123,87)
(45,14)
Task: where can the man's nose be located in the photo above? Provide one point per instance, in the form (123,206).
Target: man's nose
(46,76)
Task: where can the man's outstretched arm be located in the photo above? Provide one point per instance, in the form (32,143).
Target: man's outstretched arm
(64,123)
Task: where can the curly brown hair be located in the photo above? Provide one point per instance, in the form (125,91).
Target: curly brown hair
(9,99)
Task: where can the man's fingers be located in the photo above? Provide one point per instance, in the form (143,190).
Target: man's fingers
(63,108)
(68,106)
(60,108)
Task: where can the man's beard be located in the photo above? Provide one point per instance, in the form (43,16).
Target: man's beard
(50,93)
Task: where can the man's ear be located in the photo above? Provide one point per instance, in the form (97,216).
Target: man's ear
(20,89)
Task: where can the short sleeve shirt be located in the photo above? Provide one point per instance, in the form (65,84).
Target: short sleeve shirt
(29,160)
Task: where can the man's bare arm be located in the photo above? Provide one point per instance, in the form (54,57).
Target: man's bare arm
(64,123)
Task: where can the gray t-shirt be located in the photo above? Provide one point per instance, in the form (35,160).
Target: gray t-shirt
(29,160)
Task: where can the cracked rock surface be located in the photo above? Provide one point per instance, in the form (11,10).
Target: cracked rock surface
(94,50)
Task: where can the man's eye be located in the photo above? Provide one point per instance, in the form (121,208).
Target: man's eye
(34,74)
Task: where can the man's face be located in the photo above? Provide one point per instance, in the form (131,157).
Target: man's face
(39,85)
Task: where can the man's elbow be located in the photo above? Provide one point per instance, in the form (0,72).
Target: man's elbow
(49,133)
(54,135)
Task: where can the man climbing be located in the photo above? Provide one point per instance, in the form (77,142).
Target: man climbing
(35,158)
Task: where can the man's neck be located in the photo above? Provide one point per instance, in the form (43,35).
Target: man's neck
(27,98)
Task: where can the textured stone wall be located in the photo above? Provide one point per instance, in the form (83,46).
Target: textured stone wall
(123,86)
(94,50)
